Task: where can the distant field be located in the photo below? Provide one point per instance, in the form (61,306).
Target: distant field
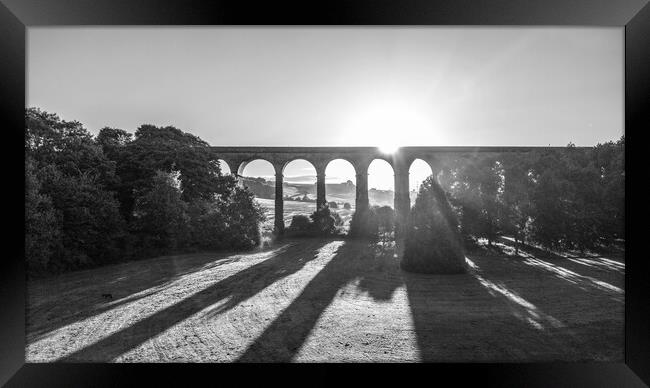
(292,208)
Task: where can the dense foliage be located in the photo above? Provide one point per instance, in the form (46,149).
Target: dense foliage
(92,201)
(322,222)
(432,242)
(377,222)
(570,198)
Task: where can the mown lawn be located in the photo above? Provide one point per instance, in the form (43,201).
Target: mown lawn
(331,300)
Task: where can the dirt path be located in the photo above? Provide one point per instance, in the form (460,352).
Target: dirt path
(316,300)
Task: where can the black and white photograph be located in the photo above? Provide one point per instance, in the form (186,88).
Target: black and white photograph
(325,194)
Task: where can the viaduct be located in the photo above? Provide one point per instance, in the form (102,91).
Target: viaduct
(360,157)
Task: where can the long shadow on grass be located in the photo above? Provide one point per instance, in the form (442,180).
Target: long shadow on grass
(596,263)
(59,301)
(283,338)
(237,287)
(471,318)
(598,276)
(587,299)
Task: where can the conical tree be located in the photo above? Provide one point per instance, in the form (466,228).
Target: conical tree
(432,242)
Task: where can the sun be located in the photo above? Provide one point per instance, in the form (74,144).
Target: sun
(388,148)
(387,125)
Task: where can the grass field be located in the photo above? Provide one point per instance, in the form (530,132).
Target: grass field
(331,300)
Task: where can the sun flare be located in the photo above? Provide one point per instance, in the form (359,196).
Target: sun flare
(388,148)
(388,125)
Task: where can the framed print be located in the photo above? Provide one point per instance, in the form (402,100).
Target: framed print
(385,189)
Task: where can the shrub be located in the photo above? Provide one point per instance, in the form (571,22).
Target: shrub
(326,221)
(347,206)
(385,218)
(432,243)
(319,223)
(300,222)
(333,205)
(364,224)
(301,226)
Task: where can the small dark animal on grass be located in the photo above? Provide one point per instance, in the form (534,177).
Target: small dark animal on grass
(107,296)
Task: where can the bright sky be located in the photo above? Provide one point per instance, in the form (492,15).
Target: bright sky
(337,86)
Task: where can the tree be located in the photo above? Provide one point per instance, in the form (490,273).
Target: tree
(243,215)
(517,206)
(168,184)
(364,224)
(432,243)
(67,145)
(609,159)
(167,149)
(112,140)
(41,223)
(68,175)
(91,230)
(160,221)
(385,216)
(476,184)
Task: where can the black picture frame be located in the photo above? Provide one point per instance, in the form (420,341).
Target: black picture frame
(17,15)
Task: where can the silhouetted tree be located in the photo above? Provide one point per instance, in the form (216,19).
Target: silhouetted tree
(167,149)
(70,172)
(517,206)
(41,223)
(385,220)
(160,221)
(432,242)
(364,224)
(169,187)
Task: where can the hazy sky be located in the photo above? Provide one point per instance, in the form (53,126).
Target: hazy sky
(337,86)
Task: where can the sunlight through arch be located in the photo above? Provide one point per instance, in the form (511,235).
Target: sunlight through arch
(225,168)
(418,172)
(340,182)
(381,183)
(259,177)
(299,189)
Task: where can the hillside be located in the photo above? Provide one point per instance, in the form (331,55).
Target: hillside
(337,192)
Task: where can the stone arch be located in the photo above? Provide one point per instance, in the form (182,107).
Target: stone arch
(243,164)
(224,167)
(389,158)
(296,159)
(381,182)
(301,192)
(419,170)
(342,191)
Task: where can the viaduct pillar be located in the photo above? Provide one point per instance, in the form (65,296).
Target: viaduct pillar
(279,205)
(361,200)
(402,200)
(320,187)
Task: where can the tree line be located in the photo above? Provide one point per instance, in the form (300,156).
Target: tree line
(94,200)
(119,196)
(570,198)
